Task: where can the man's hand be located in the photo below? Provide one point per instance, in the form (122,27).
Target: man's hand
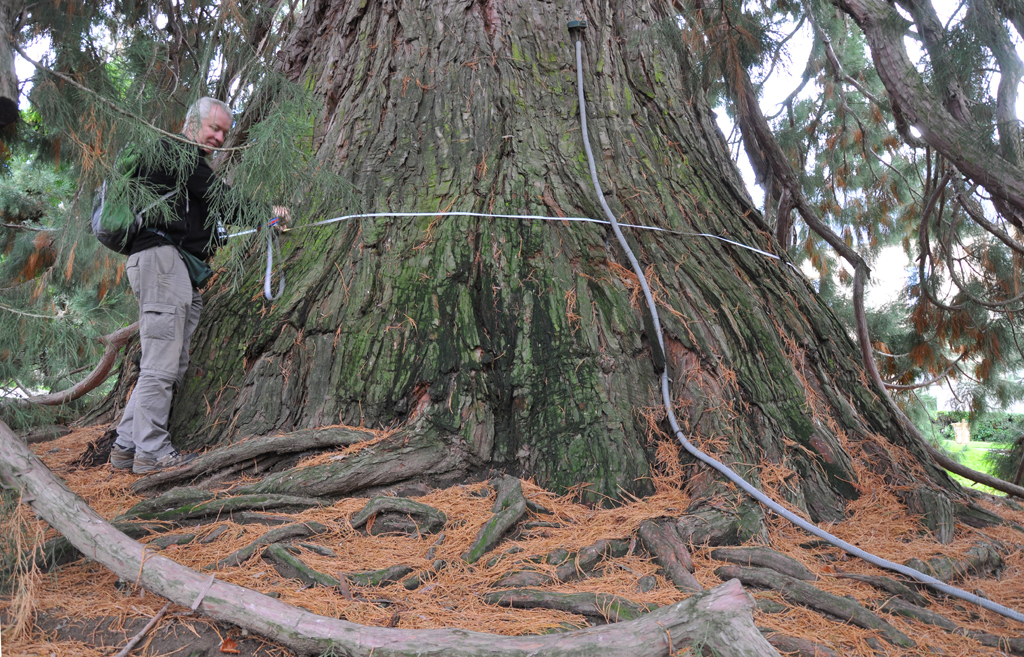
(283,215)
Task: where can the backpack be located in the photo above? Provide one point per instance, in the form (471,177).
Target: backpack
(114,224)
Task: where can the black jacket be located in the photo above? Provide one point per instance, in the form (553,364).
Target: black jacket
(197,189)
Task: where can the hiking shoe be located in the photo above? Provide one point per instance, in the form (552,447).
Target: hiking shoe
(122,458)
(145,464)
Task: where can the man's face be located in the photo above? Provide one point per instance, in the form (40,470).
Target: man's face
(213,129)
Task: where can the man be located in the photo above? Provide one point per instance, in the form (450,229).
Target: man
(169,305)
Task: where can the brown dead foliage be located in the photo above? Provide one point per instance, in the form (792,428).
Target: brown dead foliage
(451,598)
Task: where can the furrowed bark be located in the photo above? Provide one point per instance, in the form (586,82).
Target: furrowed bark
(513,344)
(719,618)
(9,14)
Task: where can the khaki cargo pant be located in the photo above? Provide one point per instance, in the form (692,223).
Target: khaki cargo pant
(168,314)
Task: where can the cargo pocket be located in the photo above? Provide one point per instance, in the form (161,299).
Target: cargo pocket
(158,321)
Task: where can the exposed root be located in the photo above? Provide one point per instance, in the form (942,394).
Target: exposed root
(610,608)
(220,507)
(285,532)
(662,541)
(509,508)
(764,558)
(291,567)
(802,593)
(385,515)
(250,450)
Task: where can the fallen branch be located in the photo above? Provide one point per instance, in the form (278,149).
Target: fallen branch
(113,342)
(45,434)
(138,637)
(719,619)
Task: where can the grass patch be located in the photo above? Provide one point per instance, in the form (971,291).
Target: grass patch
(974,455)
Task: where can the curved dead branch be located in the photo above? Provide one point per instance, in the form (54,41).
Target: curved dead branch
(719,620)
(980,219)
(113,342)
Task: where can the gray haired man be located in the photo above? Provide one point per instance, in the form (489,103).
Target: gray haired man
(169,303)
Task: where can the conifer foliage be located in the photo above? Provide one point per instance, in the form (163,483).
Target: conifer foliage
(881,145)
(116,78)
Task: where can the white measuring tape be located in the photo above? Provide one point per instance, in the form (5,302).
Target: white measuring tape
(273,243)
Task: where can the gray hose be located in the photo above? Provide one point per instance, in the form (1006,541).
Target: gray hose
(272,243)
(718,465)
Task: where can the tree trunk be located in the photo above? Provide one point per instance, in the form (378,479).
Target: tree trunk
(9,13)
(521,345)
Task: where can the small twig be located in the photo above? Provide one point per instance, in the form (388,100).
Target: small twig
(138,637)
(914,386)
(25,314)
(32,228)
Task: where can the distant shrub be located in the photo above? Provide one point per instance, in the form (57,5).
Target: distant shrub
(989,428)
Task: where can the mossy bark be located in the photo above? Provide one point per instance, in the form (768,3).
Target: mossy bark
(516,344)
